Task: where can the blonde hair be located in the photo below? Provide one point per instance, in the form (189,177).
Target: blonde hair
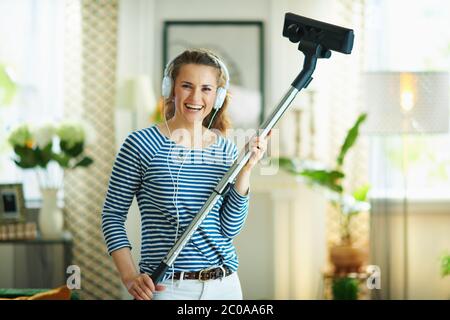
(221,121)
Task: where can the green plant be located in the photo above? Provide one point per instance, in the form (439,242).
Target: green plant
(7,86)
(345,289)
(445,265)
(8,90)
(348,204)
(36,147)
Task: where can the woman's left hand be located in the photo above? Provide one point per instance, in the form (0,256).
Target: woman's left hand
(258,146)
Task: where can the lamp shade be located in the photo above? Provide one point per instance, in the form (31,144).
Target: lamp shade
(136,95)
(136,92)
(406,102)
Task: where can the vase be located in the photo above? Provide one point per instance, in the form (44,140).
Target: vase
(348,257)
(51,220)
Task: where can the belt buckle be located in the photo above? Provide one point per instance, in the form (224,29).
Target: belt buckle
(224,273)
(200,275)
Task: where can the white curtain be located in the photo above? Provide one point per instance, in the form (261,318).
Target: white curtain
(395,30)
(31,46)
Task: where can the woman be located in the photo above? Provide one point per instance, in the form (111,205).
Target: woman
(172,168)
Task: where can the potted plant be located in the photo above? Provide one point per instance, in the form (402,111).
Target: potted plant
(41,148)
(345,255)
(345,288)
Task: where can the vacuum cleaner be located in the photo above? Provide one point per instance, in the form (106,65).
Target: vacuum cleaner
(315,40)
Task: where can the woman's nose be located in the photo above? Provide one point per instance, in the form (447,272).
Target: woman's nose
(196,94)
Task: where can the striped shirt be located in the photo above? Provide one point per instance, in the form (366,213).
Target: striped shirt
(170,181)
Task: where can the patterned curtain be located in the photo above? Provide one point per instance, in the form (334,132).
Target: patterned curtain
(345,105)
(90,71)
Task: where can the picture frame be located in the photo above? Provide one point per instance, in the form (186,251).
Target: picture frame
(12,203)
(240,45)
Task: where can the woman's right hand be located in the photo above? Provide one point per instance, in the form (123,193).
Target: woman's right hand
(141,287)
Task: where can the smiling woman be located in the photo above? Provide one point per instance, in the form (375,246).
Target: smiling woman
(172,178)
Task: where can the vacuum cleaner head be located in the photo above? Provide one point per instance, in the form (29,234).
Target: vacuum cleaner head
(329,36)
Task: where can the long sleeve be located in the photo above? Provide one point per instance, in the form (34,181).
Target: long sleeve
(234,210)
(233,213)
(123,184)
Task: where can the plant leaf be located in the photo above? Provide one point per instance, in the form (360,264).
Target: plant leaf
(360,194)
(287,164)
(62,159)
(345,289)
(445,265)
(24,164)
(27,157)
(7,87)
(329,179)
(73,151)
(86,161)
(350,139)
(44,155)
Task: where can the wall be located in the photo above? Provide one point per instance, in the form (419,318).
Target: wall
(428,238)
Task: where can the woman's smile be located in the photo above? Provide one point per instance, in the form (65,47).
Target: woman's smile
(193,107)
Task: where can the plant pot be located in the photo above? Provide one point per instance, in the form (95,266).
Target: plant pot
(347,258)
(51,219)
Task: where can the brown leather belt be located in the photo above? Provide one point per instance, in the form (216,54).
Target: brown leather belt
(205,274)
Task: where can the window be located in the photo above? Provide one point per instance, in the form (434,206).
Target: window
(406,35)
(31,45)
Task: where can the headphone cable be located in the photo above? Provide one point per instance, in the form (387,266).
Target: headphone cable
(212,118)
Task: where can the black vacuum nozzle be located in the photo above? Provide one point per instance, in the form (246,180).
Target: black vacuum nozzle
(329,36)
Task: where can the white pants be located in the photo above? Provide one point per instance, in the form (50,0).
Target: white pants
(228,288)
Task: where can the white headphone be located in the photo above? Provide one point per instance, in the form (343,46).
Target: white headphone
(221,94)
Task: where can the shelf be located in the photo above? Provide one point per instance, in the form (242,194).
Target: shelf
(65,239)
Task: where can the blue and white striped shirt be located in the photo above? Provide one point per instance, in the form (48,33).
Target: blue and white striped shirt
(149,165)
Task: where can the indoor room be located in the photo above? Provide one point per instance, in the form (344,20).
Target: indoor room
(332,118)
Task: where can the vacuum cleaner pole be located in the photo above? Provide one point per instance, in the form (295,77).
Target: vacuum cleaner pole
(312,50)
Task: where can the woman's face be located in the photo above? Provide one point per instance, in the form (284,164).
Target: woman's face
(195,92)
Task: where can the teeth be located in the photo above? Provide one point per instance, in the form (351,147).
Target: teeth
(193,106)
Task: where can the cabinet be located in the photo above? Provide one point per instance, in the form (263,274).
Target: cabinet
(38,263)
(282,246)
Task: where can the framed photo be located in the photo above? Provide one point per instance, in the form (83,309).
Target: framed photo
(12,203)
(240,44)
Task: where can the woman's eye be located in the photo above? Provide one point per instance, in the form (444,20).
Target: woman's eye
(185,86)
(206,89)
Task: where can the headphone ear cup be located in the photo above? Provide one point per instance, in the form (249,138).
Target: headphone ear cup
(221,94)
(166,87)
